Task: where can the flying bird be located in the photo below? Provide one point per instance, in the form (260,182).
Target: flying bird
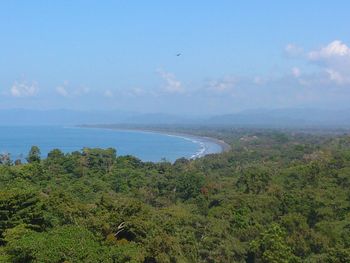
(178,54)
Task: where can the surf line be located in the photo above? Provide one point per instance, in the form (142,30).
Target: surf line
(202,150)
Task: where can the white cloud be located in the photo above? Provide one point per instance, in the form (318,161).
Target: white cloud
(336,76)
(137,92)
(225,85)
(334,59)
(293,50)
(258,80)
(24,89)
(81,91)
(296,72)
(65,90)
(332,50)
(172,84)
(62,91)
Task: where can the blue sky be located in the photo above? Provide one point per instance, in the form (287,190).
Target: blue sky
(235,55)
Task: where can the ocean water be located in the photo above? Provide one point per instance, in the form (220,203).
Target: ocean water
(147,146)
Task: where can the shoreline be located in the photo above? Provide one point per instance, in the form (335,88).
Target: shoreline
(201,140)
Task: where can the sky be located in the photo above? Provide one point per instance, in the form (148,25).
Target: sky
(122,55)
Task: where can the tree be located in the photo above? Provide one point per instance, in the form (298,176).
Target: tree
(19,206)
(5,159)
(55,154)
(99,159)
(254,179)
(271,247)
(34,154)
(62,244)
(189,185)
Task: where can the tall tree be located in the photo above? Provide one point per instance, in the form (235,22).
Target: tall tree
(34,154)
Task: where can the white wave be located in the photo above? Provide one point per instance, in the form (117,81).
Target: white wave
(202,150)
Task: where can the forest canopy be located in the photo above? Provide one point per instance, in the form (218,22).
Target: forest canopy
(276,196)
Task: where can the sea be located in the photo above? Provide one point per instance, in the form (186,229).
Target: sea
(147,146)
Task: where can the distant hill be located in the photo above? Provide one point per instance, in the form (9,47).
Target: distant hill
(160,118)
(254,117)
(285,118)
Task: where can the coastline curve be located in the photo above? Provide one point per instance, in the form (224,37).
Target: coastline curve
(204,142)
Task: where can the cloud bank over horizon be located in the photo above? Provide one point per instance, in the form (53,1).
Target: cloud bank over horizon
(325,83)
(118,56)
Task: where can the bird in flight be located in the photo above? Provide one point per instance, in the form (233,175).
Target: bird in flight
(178,54)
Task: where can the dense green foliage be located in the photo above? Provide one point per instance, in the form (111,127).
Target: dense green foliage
(274,197)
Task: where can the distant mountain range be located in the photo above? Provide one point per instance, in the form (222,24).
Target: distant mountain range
(286,118)
(256,117)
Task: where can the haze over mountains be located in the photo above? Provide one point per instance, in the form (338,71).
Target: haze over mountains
(255,117)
